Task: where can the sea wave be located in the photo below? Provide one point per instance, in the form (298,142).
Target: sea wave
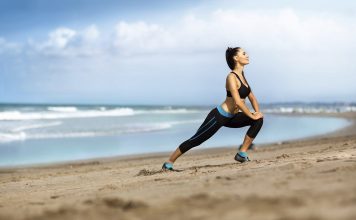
(19,134)
(73,112)
(310,109)
(167,111)
(9,137)
(34,126)
(17,115)
(62,109)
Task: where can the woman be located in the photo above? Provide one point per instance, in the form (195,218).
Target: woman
(227,114)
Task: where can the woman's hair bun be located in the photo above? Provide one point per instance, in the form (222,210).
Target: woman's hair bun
(230,52)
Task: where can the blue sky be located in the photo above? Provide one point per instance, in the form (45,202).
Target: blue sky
(172,52)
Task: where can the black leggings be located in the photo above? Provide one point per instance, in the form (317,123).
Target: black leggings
(217,118)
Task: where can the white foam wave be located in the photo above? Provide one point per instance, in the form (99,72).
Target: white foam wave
(8,137)
(99,133)
(18,133)
(33,126)
(73,112)
(17,136)
(184,122)
(62,109)
(167,111)
(309,109)
(16,115)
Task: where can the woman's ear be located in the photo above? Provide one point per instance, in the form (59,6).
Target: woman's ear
(235,58)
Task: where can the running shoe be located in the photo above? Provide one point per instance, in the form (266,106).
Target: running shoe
(241,157)
(167,166)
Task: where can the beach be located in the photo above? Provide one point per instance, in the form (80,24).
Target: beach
(310,178)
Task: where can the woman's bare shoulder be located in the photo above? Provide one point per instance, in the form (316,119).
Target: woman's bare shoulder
(231,76)
(231,81)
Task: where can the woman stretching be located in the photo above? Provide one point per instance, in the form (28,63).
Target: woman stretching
(227,114)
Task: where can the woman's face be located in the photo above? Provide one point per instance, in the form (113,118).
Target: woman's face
(242,57)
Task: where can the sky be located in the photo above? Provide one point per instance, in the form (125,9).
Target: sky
(173,52)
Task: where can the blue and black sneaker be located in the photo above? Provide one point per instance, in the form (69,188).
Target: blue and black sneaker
(241,157)
(167,166)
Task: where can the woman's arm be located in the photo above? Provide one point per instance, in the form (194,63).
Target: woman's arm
(232,86)
(254,102)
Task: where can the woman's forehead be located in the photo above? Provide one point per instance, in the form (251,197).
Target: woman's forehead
(241,50)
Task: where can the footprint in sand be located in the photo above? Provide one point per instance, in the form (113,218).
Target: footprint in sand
(339,156)
(125,205)
(162,180)
(108,187)
(223,178)
(283,156)
(36,203)
(288,166)
(145,172)
(114,202)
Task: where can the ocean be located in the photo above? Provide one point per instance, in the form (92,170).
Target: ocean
(35,134)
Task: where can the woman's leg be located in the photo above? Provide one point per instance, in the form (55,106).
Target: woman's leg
(241,120)
(208,128)
(174,156)
(246,144)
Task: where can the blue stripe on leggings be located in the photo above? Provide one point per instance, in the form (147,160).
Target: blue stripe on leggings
(206,124)
(203,131)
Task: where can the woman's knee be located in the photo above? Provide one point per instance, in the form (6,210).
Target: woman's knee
(257,123)
(255,128)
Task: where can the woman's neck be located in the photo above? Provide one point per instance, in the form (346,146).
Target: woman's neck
(238,69)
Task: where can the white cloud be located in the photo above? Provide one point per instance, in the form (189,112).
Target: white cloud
(9,47)
(256,29)
(91,33)
(58,39)
(263,29)
(140,37)
(68,42)
(282,34)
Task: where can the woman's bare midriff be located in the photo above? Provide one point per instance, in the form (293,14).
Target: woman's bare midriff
(229,105)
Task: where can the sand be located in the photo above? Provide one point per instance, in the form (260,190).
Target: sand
(311,178)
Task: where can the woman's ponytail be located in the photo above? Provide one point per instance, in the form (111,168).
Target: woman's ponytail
(230,53)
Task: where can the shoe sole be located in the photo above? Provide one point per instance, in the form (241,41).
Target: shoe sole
(241,159)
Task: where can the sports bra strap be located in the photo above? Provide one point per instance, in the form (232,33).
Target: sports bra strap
(240,79)
(235,74)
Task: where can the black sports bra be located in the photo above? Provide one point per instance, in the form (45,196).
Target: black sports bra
(244,91)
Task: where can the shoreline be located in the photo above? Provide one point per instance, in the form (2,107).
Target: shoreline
(313,178)
(345,131)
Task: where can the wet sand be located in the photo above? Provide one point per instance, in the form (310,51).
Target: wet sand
(310,178)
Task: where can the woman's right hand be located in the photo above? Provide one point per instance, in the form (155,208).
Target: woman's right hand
(257,115)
